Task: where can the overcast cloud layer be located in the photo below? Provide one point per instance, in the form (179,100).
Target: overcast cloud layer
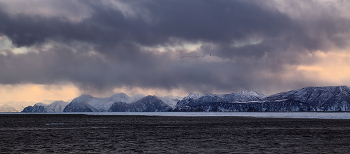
(102,45)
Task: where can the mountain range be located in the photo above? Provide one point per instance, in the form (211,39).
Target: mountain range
(330,98)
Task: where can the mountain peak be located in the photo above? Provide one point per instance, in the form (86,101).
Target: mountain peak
(194,95)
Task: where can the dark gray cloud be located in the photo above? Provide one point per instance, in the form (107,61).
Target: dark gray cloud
(271,41)
(208,21)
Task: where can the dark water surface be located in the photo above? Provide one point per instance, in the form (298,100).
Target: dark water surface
(50,133)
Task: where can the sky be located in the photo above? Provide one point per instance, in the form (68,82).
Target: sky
(58,50)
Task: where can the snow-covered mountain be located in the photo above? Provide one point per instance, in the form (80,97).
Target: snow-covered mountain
(87,103)
(146,104)
(195,99)
(331,98)
(56,106)
(80,104)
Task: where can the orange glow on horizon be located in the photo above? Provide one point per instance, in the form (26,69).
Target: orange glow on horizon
(332,67)
(37,93)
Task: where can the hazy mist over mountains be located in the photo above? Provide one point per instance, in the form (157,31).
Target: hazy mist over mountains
(19,106)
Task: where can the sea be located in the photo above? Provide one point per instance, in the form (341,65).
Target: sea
(175,132)
(307,115)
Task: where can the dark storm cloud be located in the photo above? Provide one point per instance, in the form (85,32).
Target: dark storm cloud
(121,59)
(157,22)
(208,21)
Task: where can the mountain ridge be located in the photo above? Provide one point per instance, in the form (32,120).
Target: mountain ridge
(327,98)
